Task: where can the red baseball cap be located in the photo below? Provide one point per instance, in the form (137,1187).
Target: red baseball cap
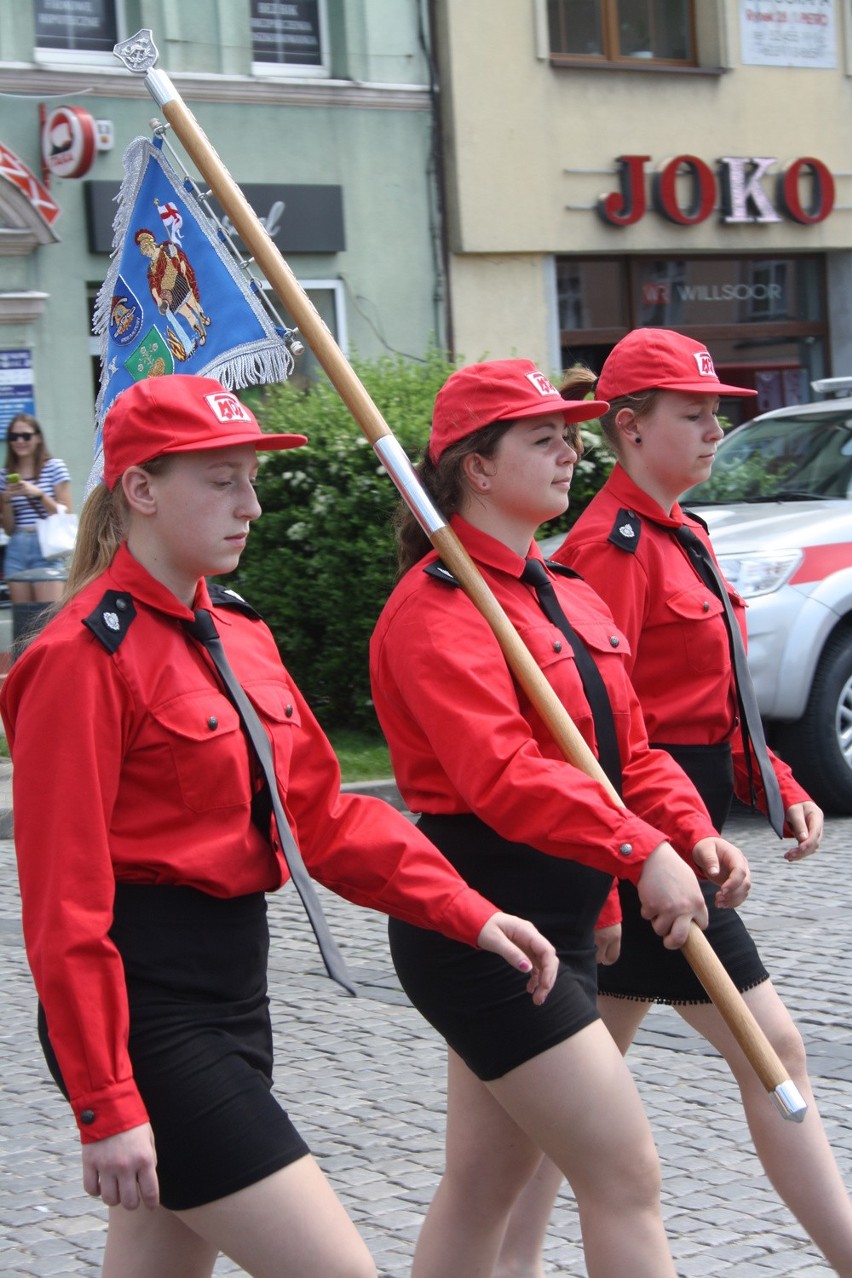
(179,413)
(498,391)
(659,359)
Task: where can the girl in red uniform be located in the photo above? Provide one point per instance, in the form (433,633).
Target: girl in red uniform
(471,754)
(662,425)
(145,851)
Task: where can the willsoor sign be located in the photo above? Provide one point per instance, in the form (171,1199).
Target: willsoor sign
(804,190)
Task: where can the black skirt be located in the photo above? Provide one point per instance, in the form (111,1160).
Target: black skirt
(474,999)
(200,1039)
(646,970)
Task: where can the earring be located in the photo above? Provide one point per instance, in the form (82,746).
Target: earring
(637,439)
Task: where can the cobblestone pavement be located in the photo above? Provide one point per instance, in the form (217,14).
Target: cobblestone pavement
(363,1079)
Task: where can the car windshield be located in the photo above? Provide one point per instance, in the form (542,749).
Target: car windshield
(802,458)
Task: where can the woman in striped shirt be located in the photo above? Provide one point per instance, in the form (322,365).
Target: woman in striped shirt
(33,485)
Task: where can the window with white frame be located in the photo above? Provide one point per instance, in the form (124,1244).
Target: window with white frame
(622,31)
(288,37)
(78,30)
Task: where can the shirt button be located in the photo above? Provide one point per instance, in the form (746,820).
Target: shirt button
(212,723)
(614,641)
(557,647)
(706,606)
(626,849)
(288,711)
(87,1116)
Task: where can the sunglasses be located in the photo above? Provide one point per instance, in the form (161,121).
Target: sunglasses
(19,435)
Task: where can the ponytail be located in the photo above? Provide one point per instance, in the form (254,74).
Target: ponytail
(104,522)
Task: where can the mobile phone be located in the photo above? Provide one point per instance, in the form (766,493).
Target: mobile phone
(13,478)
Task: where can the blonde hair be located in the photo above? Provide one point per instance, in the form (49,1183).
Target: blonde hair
(103,527)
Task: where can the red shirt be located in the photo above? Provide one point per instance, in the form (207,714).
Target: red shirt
(131,765)
(680,661)
(464,738)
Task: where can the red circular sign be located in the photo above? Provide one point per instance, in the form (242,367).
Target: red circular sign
(68,142)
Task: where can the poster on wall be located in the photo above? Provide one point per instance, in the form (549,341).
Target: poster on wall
(17,390)
(788,33)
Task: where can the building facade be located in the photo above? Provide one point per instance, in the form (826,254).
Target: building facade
(323,113)
(682,163)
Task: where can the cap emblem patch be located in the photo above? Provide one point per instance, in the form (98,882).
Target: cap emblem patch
(705,363)
(228,408)
(543,384)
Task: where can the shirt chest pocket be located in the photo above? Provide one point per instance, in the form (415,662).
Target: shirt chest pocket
(698,628)
(213,762)
(274,701)
(606,647)
(200,732)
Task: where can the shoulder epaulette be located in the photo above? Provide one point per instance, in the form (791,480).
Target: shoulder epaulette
(440,572)
(223,597)
(626,531)
(110,620)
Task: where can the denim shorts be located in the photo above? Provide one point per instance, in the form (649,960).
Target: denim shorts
(23,552)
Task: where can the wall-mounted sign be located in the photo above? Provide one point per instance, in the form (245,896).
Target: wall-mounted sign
(68,142)
(16,172)
(17,390)
(685,190)
(300,219)
(788,33)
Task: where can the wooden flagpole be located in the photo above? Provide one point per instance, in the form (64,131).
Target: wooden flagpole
(139,55)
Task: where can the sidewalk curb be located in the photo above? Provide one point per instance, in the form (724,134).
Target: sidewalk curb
(386,790)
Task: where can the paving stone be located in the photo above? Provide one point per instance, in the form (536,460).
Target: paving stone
(364,1080)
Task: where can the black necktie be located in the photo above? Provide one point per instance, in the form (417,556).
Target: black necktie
(535,574)
(751,725)
(204,630)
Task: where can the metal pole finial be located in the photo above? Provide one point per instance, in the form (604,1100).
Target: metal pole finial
(138,52)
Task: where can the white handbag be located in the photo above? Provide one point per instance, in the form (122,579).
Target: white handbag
(57,533)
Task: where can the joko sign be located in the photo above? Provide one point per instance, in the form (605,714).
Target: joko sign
(686,191)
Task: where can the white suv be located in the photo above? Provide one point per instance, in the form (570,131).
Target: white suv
(779,509)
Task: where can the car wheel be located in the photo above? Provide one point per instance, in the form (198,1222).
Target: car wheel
(819,746)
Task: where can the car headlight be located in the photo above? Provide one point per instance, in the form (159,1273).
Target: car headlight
(760,573)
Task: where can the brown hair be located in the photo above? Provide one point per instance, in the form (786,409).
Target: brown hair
(444,481)
(42,453)
(642,403)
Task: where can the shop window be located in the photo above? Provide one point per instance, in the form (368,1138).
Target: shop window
(770,297)
(623,31)
(78,30)
(764,318)
(288,37)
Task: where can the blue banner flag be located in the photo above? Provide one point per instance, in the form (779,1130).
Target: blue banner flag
(175,298)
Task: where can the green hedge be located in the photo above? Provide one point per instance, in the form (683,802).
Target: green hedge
(321,562)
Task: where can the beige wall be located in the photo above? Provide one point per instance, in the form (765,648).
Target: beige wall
(530,148)
(526,139)
(514,319)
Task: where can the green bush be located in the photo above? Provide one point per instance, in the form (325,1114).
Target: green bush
(322,561)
